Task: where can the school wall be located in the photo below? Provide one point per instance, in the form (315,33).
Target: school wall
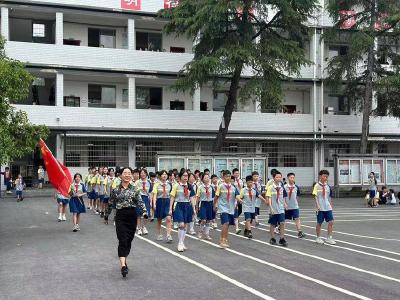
(171,40)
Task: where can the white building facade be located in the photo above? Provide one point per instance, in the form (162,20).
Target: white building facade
(103,74)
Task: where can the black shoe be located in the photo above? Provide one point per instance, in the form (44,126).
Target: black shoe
(301,234)
(101,215)
(249,235)
(283,243)
(124,271)
(245,232)
(272,241)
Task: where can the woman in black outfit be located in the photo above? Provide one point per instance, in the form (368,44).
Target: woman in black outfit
(126,198)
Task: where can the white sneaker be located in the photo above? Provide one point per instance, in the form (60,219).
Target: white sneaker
(208,238)
(144,230)
(59,219)
(184,247)
(175,225)
(181,248)
(160,237)
(169,238)
(64,218)
(96,212)
(139,232)
(330,241)
(319,241)
(214,225)
(77,227)
(277,230)
(200,235)
(192,232)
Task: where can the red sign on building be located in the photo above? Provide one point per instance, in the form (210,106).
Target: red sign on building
(131,4)
(170,3)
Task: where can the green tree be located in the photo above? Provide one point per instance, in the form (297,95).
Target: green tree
(18,136)
(362,71)
(262,39)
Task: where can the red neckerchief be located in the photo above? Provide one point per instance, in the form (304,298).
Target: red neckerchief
(278,190)
(207,192)
(238,183)
(228,186)
(291,188)
(185,190)
(164,190)
(144,186)
(76,187)
(323,188)
(250,195)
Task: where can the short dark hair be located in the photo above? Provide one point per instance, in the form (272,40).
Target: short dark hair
(254,173)
(152,175)
(143,170)
(226,172)
(214,176)
(197,172)
(249,178)
(206,170)
(202,175)
(77,174)
(273,171)
(323,172)
(183,171)
(122,169)
(135,171)
(162,172)
(235,170)
(290,174)
(277,173)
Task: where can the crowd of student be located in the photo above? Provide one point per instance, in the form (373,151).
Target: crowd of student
(375,197)
(183,199)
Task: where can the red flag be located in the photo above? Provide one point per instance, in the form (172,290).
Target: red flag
(59,175)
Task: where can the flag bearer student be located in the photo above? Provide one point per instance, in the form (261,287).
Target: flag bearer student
(145,187)
(225,202)
(205,200)
(292,212)
(322,193)
(238,183)
(248,195)
(182,199)
(257,187)
(161,203)
(276,195)
(62,202)
(76,205)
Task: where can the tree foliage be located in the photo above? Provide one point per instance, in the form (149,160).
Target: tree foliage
(18,136)
(261,40)
(370,65)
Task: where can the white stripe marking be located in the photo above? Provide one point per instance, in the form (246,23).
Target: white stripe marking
(362,220)
(212,271)
(323,259)
(320,282)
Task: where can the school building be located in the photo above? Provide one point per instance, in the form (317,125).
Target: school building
(103,70)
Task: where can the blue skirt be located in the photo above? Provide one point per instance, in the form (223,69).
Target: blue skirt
(77,205)
(206,211)
(162,208)
(183,212)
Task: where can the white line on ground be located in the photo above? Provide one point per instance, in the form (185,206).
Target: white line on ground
(358,220)
(335,246)
(352,234)
(323,259)
(303,276)
(208,269)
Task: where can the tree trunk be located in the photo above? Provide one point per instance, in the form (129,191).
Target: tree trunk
(229,107)
(367,103)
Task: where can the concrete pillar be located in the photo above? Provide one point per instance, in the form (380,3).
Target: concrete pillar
(59,89)
(60,148)
(132,93)
(196,99)
(5,32)
(131,34)
(59,28)
(132,153)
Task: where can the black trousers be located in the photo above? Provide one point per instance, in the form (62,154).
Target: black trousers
(125,225)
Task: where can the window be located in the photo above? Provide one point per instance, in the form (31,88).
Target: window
(219,101)
(177,50)
(290,109)
(104,38)
(203,106)
(125,98)
(101,96)
(331,149)
(148,98)
(102,153)
(148,41)
(289,154)
(73,159)
(289,160)
(72,101)
(38,30)
(177,105)
(337,104)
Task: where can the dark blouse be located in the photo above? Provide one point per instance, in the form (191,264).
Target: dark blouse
(127,198)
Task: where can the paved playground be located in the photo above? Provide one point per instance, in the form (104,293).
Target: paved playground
(43,259)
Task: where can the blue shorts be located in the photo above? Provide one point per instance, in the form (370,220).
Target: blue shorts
(324,215)
(183,212)
(236,213)
(276,219)
(206,210)
(249,216)
(257,211)
(18,193)
(41,180)
(292,214)
(101,197)
(62,201)
(227,219)
(162,208)
(92,195)
(372,194)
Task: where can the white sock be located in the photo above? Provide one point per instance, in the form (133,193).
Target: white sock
(191,226)
(207,229)
(181,234)
(183,237)
(202,227)
(60,215)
